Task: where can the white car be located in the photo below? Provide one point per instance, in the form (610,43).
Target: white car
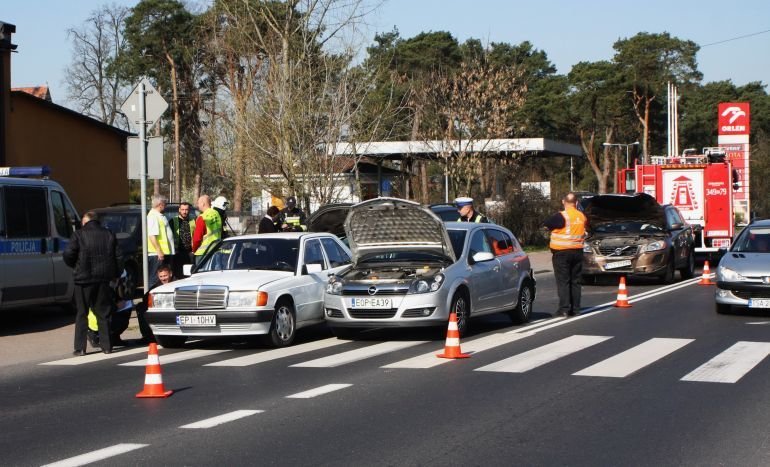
(269,284)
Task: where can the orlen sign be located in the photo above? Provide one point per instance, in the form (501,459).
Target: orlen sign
(734,118)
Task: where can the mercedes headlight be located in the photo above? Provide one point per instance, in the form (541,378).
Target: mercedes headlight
(427,285)
(242,299)
(162,300)
(654,246)
(334,287)
(729,275)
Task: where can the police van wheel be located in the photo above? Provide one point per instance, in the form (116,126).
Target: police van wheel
(284,325)
(170,342)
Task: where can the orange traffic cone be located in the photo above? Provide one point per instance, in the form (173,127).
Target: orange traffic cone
(622,300)
(705,278)
(153,380)
(452,346)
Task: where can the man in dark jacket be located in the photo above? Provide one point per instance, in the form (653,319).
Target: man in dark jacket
(95,256)
(267,224)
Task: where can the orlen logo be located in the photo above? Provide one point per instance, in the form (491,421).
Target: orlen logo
(734,118)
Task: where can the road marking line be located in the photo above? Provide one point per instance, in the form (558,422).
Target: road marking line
(732,364)
(318,391)
(96,456)
(180,356)
(358,354)
(759,322)
(220,419)
(429,360)
(275,354)
(635,358)
(545,354)
(95,357)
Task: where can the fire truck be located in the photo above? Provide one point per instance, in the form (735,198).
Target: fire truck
(699,185)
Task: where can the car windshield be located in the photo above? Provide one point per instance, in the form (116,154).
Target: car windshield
(753,240)
(122,225)
(457,237)
(270,254)
(633,227)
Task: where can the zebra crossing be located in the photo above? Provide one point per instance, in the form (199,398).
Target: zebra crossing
(728,366)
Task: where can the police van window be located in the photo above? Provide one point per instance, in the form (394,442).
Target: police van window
(65,224)
(336,255)
(26,212)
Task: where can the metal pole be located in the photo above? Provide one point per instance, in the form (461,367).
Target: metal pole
(571,171)
(627,155)
(143,178)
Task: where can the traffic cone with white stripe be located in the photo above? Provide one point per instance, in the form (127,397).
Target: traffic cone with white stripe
(452,346)
(153,380)
(622,300)
(705,278)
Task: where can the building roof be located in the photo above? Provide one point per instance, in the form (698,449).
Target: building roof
(41,92)
(436,148)
(58,108)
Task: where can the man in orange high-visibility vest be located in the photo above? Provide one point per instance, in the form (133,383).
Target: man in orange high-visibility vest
(568,229)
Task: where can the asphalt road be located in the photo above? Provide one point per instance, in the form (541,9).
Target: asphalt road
(666,382)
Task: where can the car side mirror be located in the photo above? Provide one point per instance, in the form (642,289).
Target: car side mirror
(187,270)
(482,256)
(313,268)
(676,226)
(697,228)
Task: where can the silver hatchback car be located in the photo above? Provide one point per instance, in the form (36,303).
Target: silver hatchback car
(411,269)
(743,274)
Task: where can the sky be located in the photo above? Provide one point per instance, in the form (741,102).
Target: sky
(568,31)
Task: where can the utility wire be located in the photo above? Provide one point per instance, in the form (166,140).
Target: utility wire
(736,38)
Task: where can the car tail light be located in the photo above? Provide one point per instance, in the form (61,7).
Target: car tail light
(261,298)
(149,301)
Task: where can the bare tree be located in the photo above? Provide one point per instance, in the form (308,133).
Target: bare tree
(93,87)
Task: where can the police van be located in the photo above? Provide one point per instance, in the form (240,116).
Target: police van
(37,220)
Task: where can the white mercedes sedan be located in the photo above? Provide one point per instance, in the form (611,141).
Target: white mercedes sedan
(269,285)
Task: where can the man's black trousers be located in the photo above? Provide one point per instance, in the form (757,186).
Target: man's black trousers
(567,268)
(99,297)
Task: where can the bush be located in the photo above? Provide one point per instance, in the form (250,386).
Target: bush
(524,213)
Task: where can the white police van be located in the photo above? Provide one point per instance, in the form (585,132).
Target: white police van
(36,221)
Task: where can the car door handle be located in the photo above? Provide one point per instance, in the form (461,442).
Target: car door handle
(496,268)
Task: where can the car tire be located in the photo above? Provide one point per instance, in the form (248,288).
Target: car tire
(523,309)
(345,333)
(722,308)
(668,275)
(284,325)
(462,308)
(688,272)
(171,342)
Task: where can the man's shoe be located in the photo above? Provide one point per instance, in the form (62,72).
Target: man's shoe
(559,314)
(79,353)
(106,350)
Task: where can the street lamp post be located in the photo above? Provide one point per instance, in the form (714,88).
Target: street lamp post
(620,145)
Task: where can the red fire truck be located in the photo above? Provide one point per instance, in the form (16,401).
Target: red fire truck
(699,185)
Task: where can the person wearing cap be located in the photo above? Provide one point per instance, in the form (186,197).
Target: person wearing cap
(208,228)
(467,213)
(568,231)
(292,218)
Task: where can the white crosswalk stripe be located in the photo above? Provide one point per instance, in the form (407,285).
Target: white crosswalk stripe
(275,354)
(429,360)
(358,354)
(540,356)
(96,357)
(319,391)
(732,364)
(635,358)
(179,356)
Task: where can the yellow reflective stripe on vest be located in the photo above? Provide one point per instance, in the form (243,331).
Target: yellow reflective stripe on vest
(569,237)
(163,240)
(213,230)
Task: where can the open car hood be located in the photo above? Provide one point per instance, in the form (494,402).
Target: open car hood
(384,225)
(329,218)
(612,209)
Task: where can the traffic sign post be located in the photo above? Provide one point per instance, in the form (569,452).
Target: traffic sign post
(143,107)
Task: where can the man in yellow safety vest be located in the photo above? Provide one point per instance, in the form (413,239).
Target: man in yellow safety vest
(160,238)
(208,228)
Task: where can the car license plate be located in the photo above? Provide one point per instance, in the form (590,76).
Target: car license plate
(759,303)
(371,302)
(618,264)
(196,320)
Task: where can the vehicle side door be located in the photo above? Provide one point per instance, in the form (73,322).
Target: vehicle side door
(28,276)
(484,278)
(309,290)
(681,237)
(503,247)
(65,221)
